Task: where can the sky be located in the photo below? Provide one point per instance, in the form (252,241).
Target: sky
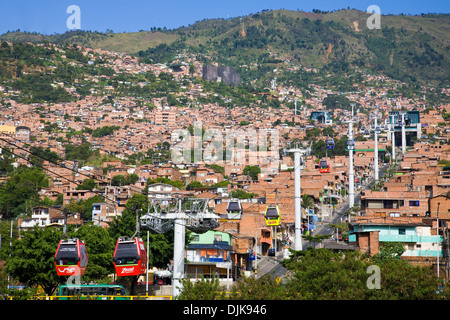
(51,16)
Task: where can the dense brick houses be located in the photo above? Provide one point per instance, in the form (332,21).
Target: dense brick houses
(43,216)
(407,208)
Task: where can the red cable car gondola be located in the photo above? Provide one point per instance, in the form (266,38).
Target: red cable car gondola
(323,166)
(71,257)
(130,257)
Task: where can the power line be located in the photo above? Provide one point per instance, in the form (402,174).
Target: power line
(63,177)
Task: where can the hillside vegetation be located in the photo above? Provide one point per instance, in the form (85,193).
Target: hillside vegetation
(407,48)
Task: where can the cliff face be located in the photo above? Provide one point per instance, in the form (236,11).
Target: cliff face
(226,74)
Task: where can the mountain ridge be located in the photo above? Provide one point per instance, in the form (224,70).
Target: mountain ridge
(407,48)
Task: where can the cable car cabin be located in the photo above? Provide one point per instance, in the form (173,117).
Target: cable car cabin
(272,216)
(366,133)
(350,145)
(71,257)
(234,210)
(330,143)
(130,257)
(323,166)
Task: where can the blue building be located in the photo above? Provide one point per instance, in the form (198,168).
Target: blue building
(208,255)
(412,126)
(416,238)
(321,116)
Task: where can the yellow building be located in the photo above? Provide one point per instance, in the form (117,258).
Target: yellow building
(7,130)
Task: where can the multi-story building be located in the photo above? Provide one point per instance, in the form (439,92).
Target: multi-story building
(45,216)
(165,116)
(394,203)
(417,238)
(209,255)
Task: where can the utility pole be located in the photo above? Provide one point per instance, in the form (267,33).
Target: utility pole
(298,209)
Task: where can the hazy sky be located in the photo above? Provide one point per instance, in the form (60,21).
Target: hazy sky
(50,16)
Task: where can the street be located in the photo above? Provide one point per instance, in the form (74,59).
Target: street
(272,265)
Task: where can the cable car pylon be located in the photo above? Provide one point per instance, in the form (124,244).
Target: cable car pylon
(179,214)
(298,208)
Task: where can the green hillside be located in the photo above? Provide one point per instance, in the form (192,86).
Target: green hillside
(407,48)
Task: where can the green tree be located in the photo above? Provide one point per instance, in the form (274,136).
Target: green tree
(193,185)
(307,202)
(21,191)
(252,171)
(389,251)
(203,289)
(322,274)
(81,152)
(265,288)
(31,260)
(242,194)
(100,248)
(88,184)
(119,180)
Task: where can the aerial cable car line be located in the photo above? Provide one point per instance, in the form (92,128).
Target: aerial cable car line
(62,165)
(56,174)
(62,210)
(68,168)
(97,192)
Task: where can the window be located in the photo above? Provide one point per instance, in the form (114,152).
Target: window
(401,231)
(388,204)
(414,203)
(217,237)
(195,237)
(394,214)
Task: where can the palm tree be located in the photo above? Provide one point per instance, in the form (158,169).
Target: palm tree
(307,202)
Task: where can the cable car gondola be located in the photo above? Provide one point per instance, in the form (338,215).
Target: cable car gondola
(330,143)
(323,166)
(71,257)
(234,210)
(130,257)
(350,144)
(272,216)
(366,133)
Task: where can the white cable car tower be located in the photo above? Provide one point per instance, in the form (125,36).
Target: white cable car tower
(351,174)
(191,213)
(298,209)
(377,130)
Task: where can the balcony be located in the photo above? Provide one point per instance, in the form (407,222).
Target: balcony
(422,253)
(407,238)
